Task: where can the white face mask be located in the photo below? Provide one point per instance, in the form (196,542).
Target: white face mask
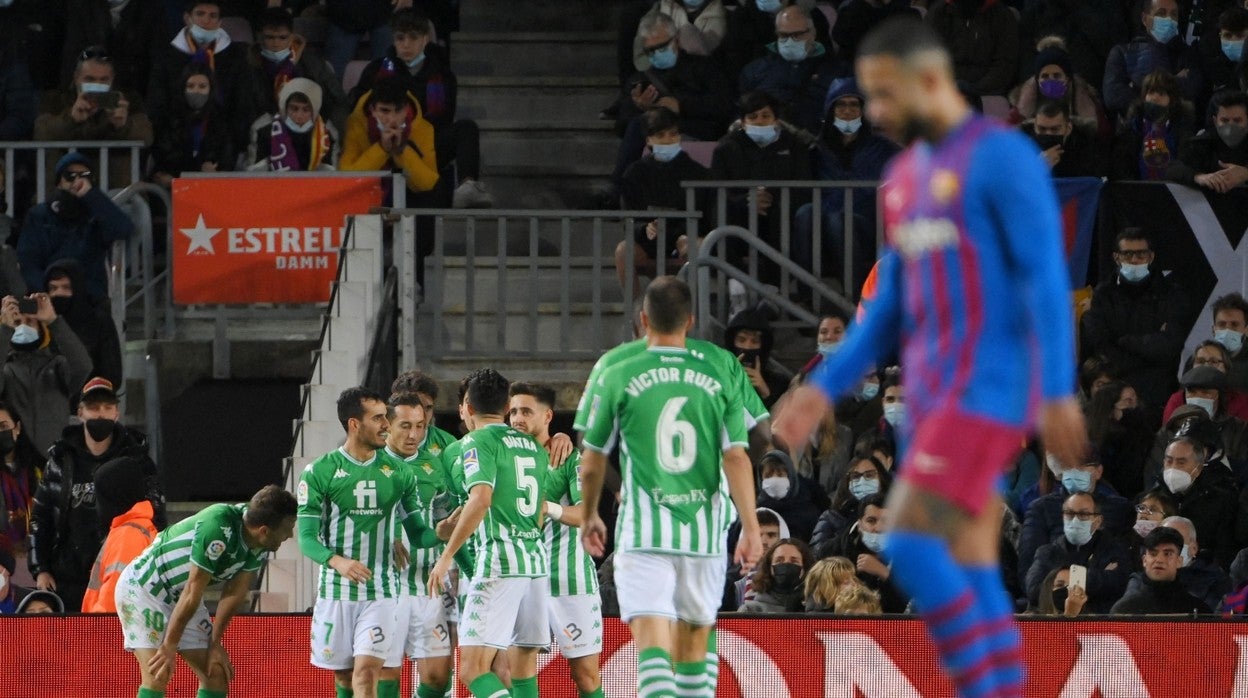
(1186,555)
(1177,481)
(1207,404)
(776,487)
(25,334)
(275,56)
(95,88)
(296,128)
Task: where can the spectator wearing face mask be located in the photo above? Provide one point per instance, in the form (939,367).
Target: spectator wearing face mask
(279,56)
(194,132)
(825,580)
(295,138)
(892,409)
(1045,521)
(1150,133)
(829,334)
(90,319)
(739,587)
(1230,323)
(700,26)
(1083,542)
(753,25)
(866,476)
(862,543)
(1199,575)
(79,222)
(9,594)
(1161,591)
(1120,437)
(1054,79)
(1205,493)
(778,582)
(65,529)
(1216,158)
(862,410)
(1221,54)
(1151,508)
(1156,46)
(1057,597)
(796,498)
(35,377)
(19,477)
(1213,353)
(1067,148)
(796,70)
(749,338)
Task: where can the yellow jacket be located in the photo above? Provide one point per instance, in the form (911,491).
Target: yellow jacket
(418,161)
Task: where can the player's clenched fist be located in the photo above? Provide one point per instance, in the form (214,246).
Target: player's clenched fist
(354,570)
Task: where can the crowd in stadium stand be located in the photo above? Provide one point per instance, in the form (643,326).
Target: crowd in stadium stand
(1152,90)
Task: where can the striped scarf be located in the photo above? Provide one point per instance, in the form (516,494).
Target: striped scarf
(282,155)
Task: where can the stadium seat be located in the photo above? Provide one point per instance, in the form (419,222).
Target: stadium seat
(996,106)
(238,28)
(351,75)
(700,151)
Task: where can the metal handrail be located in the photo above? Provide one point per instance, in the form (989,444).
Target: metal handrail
(387,316)
(148,277)
(41,149)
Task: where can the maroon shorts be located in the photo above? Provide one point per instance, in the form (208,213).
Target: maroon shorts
(960,457)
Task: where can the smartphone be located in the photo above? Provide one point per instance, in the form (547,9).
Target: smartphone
(1078,577)
(27,306)
(108,100)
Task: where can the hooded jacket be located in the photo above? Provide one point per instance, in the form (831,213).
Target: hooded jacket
(756,319)
(68,493)
(799,507)
(418,160)
(47,237)
(39,384)
(91,321)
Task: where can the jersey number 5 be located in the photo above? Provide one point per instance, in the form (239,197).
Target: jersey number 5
(675,439)
(526,505)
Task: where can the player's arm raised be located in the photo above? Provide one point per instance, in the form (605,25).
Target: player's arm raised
(163,660)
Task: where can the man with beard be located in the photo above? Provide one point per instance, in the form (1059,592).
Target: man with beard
(65,534)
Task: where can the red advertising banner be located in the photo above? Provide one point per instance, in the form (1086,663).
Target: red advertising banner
(760,657)
(262,239)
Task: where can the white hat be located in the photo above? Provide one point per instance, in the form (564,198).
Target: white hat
(304,85)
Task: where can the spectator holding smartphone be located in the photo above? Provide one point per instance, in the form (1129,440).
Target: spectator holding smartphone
(91,108)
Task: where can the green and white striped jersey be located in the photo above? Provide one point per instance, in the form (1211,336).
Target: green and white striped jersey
(572,571)
(515,465)
(453,462)
(673,415)
(431,480)
(355,503)
(755,410)
(211,540)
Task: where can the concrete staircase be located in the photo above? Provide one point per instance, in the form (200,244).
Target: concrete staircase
(534,78)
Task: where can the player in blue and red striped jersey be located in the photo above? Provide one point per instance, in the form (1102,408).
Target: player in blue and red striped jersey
(972,283)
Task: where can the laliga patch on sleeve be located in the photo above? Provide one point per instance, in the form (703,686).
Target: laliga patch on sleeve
(215,549)
(301,494)
(471,465)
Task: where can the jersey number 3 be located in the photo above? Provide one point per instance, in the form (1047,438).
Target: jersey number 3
(675,439)
(526,505)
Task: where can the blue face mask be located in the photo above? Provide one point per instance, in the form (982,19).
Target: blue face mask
(762,135)
(1233,50)
(416,61)
(872,541)
(863,488)
(1230,339)
(1077,532)
(1077,481)
(203,36)
(792,50)
(275,56)
(770,6)
(868,391)
(1164,29)
(663,59)
(847,127)
(693,5)
(25,334)
(827,348)
(1134,273)
(895,414)
(665,152)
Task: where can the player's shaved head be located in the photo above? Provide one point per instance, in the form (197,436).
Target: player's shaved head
(668,305)
(908,39)
(269,507)
(488,392)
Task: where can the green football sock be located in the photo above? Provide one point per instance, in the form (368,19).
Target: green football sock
(654,674)
(488,685)
(343,691)
(424,690)
(524,688)
(712,663)
(388,689)
(205,693)
(690,679)
(150,693)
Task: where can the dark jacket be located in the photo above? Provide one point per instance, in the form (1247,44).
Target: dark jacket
(1129,63)
(1108,561)
(859,415)
(1212,505)
(39,384)
(231,83)
(92,322)
(756,319)
(857,17)
(800,87)
(1201,154)
(983,44)
(775,601)
(652,185)
(1123,451)
(698,83)
(359,15)
(1091,28)
(1234,433)
(47,237)
(800,507)
(308,64)
(849,545)
(1081,156)
(17,97)
(750,30)
(1043,521)
(174,150)
(831,525)
(739,158)
(129,41)
(433,83)
(1143,150)
(65,533)
(1202,579)
(1160,598)
(1140,328)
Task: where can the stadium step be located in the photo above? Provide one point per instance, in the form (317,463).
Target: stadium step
(534,53)
(535,15)
(519,143)
(536,101)
(516,289)
(580,237)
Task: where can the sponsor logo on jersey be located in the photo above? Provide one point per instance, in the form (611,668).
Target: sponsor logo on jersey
(227,532)
(922,235)
(339,473)
(927,463)
(301,493)
(677,498)
(525,535)
(215,549)
(472,466)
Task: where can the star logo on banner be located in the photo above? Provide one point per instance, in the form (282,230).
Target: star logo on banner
(201,236)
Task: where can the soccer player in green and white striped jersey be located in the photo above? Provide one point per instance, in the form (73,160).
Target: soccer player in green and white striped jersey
(425,622)
(504,470)
(160,594)
(347,499)
(681,432)
(575,607)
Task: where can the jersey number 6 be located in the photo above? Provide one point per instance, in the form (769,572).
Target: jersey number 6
(675,439)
